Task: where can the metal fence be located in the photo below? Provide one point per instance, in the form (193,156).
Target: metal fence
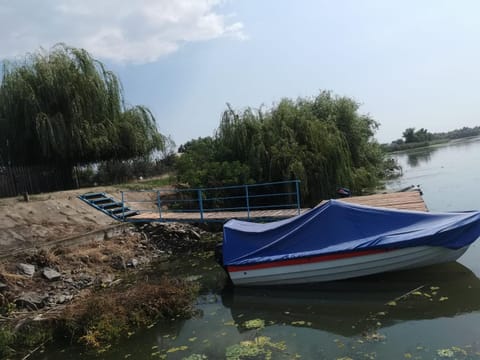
(246,198)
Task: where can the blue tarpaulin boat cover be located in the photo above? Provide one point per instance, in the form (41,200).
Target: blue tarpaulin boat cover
(337,227)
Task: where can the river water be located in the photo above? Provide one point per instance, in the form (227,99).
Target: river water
(430,313)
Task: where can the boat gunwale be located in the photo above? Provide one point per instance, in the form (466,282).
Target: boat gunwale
(307,259)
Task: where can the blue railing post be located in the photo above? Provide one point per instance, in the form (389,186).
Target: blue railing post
(248,202)
(297,188)
(159,204)
(200,203)
(123,206)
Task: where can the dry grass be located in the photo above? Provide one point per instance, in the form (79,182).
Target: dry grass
(44,258)
(9,276)
(110,313)
(98,253)
(101,313)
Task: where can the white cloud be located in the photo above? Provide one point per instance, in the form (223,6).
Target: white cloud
(118,30)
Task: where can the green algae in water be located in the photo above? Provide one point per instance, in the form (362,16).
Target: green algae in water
(196,357)
(261,347)
(254,324)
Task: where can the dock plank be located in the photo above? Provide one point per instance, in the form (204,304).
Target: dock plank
(403,200)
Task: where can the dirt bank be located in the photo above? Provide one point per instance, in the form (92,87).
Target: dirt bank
(47,217)
(39,282)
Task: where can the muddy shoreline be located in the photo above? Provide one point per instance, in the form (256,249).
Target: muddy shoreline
(44,287)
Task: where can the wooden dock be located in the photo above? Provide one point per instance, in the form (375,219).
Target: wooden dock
(401,200)
(409,200)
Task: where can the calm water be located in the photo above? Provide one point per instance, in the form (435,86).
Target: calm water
(370,318)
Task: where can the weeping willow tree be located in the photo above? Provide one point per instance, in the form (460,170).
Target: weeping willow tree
(322,141)
(62,108)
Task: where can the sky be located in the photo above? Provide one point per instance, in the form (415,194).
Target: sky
(408,63)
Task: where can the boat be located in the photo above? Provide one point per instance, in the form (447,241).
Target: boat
(339,240)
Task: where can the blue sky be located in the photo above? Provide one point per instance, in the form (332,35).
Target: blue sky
(409,63)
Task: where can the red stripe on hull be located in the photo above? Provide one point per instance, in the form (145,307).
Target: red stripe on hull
(306,260)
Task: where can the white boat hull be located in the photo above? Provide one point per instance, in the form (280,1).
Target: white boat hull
(289,273)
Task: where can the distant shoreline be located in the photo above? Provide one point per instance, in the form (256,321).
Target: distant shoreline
(421,145)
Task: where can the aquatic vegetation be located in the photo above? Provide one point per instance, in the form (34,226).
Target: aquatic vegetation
(457,349)
(179,348)
(254,324)
(6,341)
(196,357)
(301,322)
(261,347)
(445,353)
(112,314)
(374,336)
(454,351)
(24,335)
(339,343)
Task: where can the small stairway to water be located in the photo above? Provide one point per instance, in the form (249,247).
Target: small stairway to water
(108,205)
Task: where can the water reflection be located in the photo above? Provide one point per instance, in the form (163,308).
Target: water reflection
(417,157)
(312,319)
(353,307)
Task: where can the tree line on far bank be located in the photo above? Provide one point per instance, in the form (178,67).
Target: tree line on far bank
(412,138)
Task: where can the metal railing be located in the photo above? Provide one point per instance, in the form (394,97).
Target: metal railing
(249,199)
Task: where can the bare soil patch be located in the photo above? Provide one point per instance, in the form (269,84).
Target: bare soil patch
(48,217)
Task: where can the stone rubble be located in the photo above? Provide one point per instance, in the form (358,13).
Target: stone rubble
(59,281)
(51,274)
(26,269)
